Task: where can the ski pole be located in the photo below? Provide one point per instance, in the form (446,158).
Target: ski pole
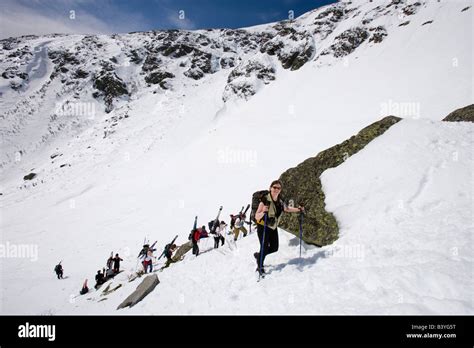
(261,246)
(301,230)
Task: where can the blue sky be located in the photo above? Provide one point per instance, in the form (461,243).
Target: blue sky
(21,17)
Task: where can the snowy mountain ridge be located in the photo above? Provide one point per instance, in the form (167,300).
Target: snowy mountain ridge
(74,78)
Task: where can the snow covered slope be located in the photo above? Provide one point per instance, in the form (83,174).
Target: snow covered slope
(405,246)
(140,158)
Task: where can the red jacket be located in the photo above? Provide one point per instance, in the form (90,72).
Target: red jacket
(197,234)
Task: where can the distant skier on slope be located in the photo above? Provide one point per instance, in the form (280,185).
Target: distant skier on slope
(117,260)
(59,270)
(272,205)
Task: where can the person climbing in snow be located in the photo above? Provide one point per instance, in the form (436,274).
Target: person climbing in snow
(99,278)
(273,206)
(169,250)
(239,226)
(220,230)
(148,261)
(144,251)
(117,260)
(85,288)
(110,262)
(232,222)
(197,235)
(59,270)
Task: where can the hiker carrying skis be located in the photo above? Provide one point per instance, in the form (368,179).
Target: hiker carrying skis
(144,251)
(59,270)
(169,250)
(148,261)
(239,226)
(197,235)
(273,206)
(219,234)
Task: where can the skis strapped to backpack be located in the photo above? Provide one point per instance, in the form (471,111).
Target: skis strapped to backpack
(190,237)
(164,251)
(246,209)
(214,223)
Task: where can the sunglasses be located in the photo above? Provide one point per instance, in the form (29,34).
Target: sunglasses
(276,187)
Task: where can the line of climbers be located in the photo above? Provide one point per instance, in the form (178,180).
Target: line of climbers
(217,229)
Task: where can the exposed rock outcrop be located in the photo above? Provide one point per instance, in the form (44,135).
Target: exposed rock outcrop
(320,227)
(465,114)
(146,286)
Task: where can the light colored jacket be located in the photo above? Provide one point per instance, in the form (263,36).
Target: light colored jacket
(149,256)
(220,230)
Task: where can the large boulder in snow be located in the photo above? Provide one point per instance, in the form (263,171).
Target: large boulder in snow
(465,114)
(302,184)
(146,286)
(183,249)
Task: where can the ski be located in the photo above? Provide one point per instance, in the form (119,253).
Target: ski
(167,244)
(141,253)
(246,209)
(215,223)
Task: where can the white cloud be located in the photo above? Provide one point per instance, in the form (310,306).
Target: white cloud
(17,20)
(44,17)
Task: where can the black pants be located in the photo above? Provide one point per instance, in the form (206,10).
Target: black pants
(195,248)
(270,244)
(216,241)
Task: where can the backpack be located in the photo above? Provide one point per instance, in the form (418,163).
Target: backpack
(144,251)
(232,220)
(257,197)
(211,225)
